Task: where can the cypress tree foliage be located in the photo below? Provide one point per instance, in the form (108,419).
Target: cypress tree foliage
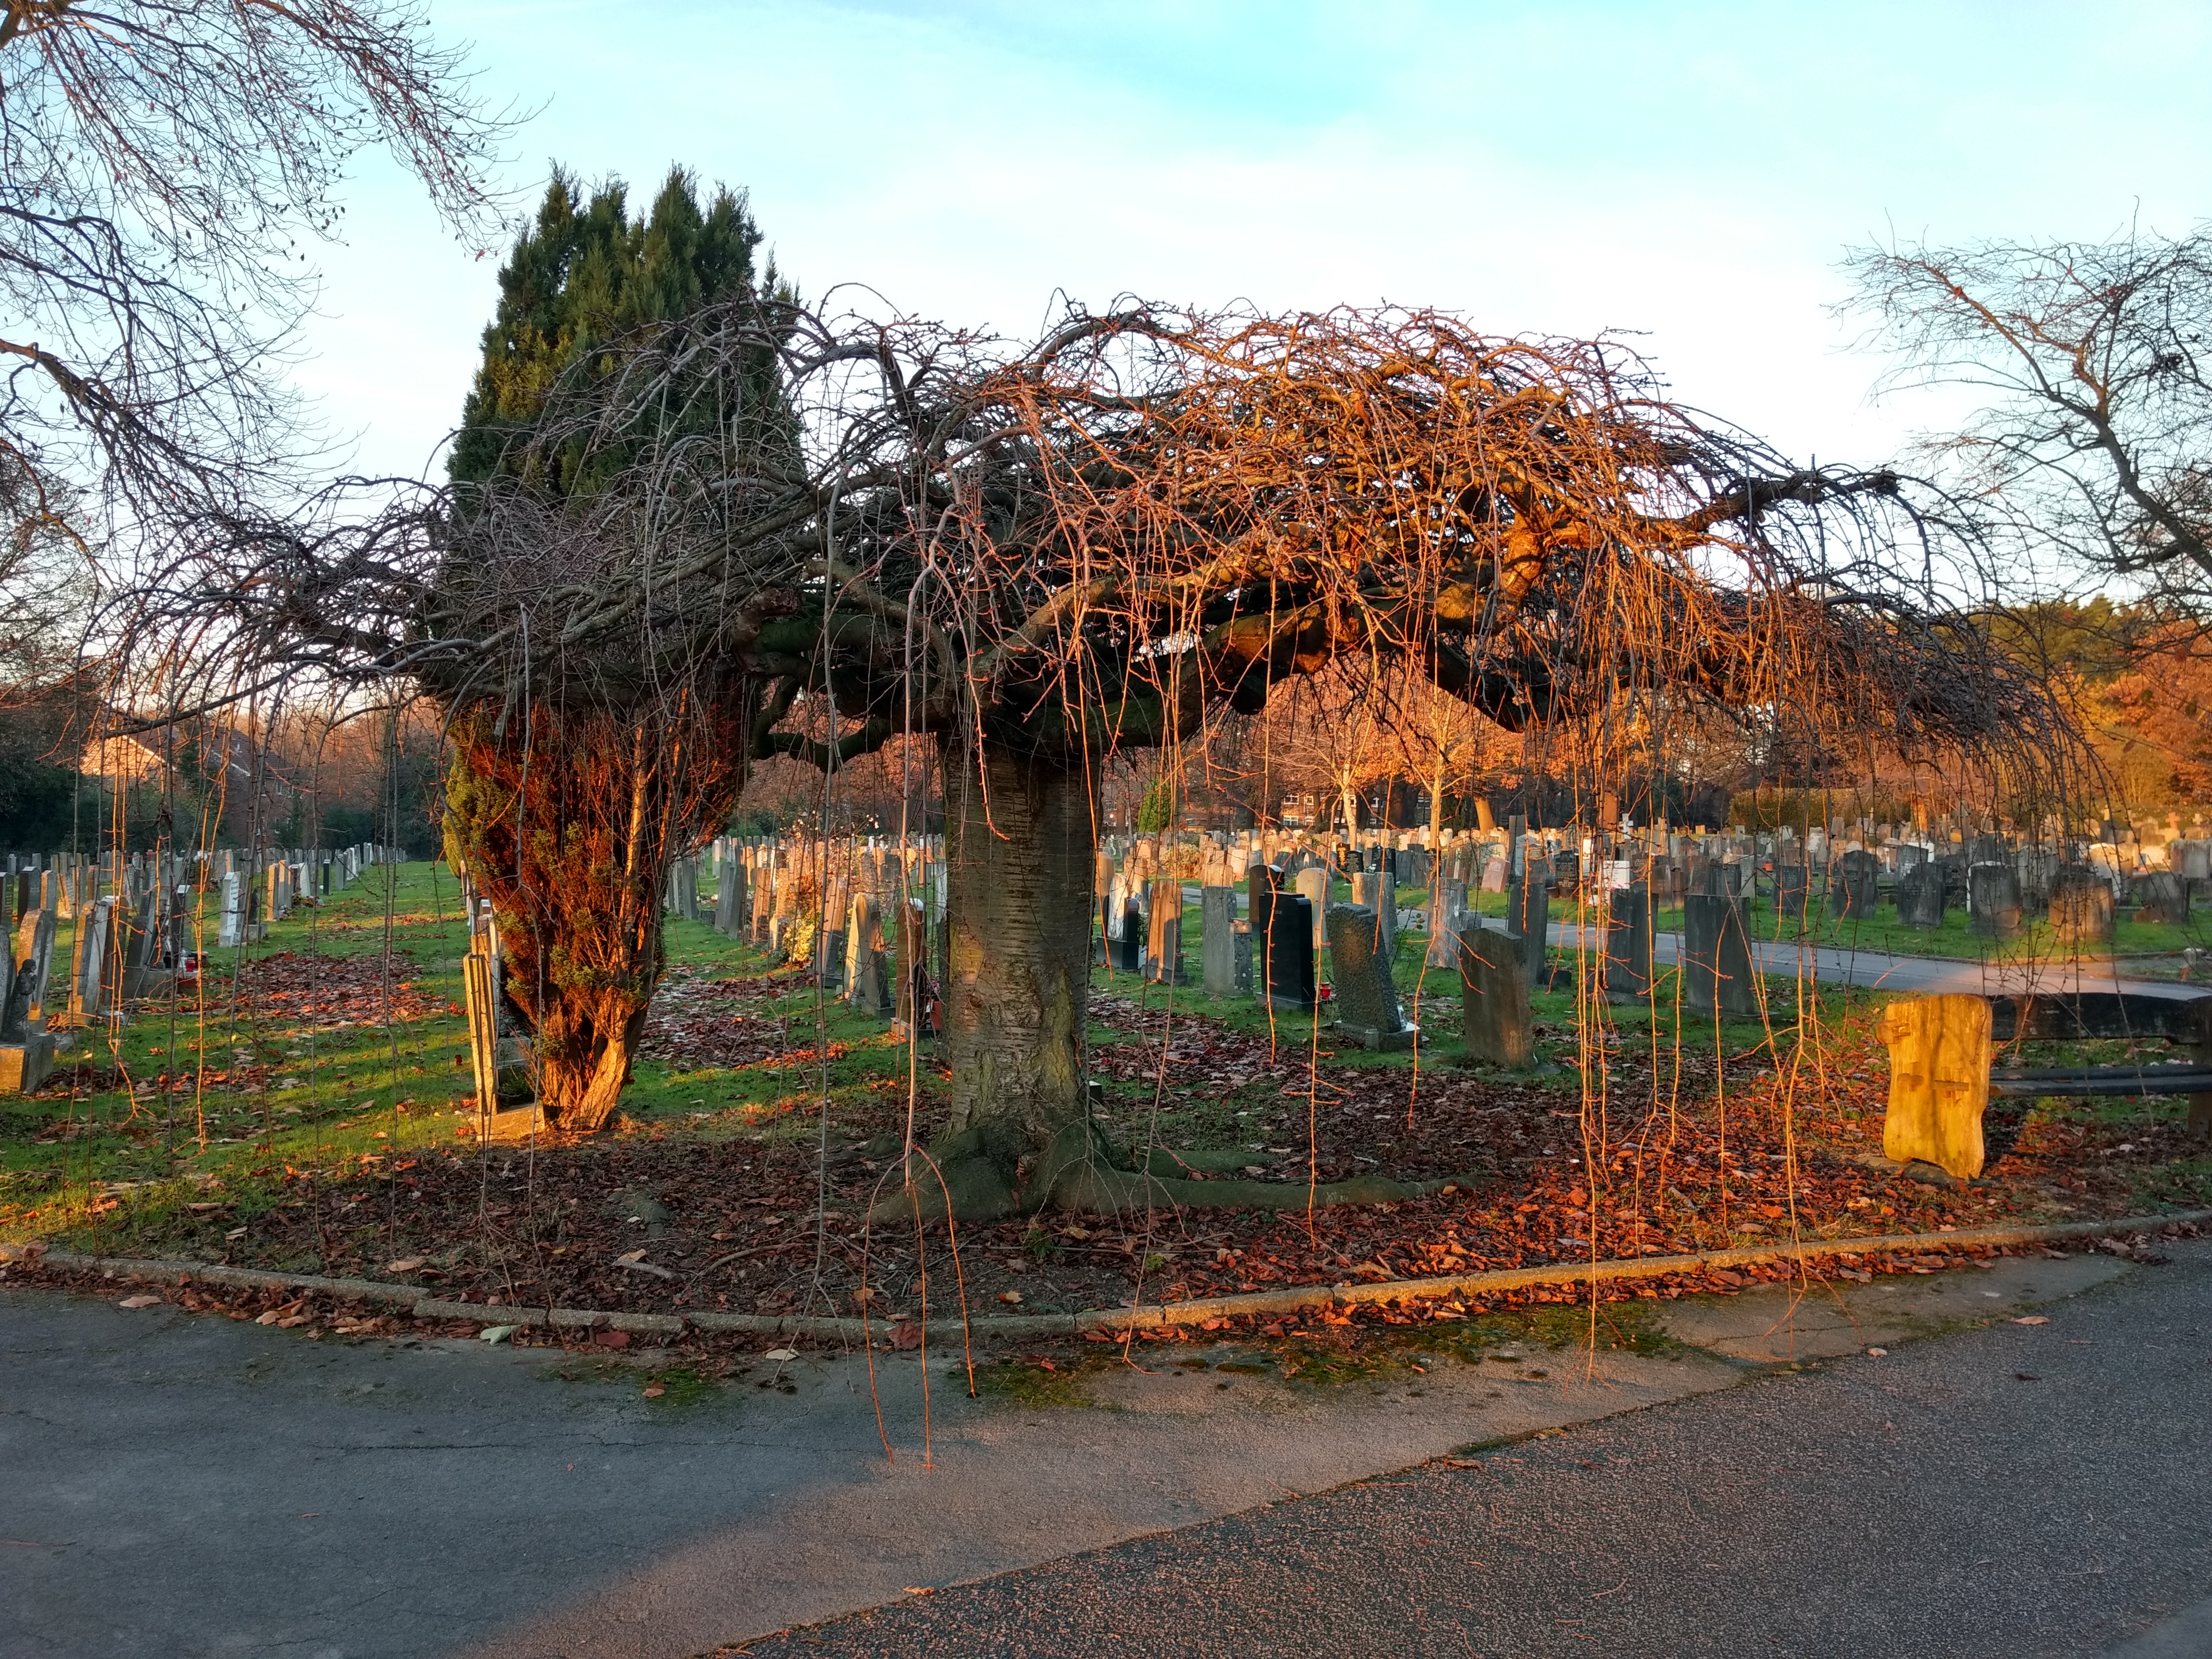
(566,803)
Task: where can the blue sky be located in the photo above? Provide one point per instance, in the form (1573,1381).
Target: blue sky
(1692,173)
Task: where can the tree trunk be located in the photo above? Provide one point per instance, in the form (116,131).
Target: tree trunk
(1021,859)
(566,825)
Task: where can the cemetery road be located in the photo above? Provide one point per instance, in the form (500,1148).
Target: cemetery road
(2013,1490)
(186,1485)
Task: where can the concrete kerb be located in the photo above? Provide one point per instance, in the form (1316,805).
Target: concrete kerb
(1015,1327)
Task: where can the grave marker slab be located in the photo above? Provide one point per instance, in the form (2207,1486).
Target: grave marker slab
(1494,990)
(1367,1010)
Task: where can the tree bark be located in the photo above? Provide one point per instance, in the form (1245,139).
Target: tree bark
(566,825)
(1021,851)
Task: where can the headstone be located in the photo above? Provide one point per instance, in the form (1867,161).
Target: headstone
(1920,898)
(1628,959)
(1993,900)
(1852,890)
(1164,939)
(27,1049)
(1367,1010)
(2081,908)
(1793,896)
(32,953)
(1528,917)
(730,907)
(1216,910)
(1716,957)
(2162,896)
(1447,905)
(1494,875)
(1311,884)
(1240,941)
(1938,1081)
(1291,956)
(88,983)
(1494,990)
(911,989)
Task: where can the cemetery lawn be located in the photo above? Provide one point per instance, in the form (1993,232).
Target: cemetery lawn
(307,1115)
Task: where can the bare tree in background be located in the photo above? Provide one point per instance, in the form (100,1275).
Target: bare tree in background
(2096,441)
(163,164)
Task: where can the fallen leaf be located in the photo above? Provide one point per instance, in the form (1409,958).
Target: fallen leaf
(921,1590)
(904,1337)
(234,1234)
(1010,1295)
(780,1354)
(612,1339)
(269,1318)
(2027,1376)
(1878,1353)
(140,1301)
(295,1321)
(405,1265)
(495,1333)
(653,1391)
(628,1256)
(2031,1319)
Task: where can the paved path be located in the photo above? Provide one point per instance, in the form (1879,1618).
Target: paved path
(1879,969)
(189,1486)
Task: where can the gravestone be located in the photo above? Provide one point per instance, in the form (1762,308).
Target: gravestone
(142,974)
(1528,917)
(1311,884)
(1793,896)
(2162,896)
(1938,1081)
(1993,900)
(2036,867)
(1494,991)
(1716,957)
(1240,943)
(1920,897)
(1291,956)
(1495,875)
(1852,891)
(1449,906)
(1367,1010)
(1164,938)
(730,908)
(910,986)
(2081,908)
(27,1050)
(1628,960)
(1217,914)
(88,977)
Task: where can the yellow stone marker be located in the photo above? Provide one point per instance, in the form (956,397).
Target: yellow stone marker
(1938,1081)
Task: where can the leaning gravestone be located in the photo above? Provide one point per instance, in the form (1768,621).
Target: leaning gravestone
(1367,1010)
(1716,957)
(1494,988)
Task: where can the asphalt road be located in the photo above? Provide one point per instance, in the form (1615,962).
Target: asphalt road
(182,1485)
(2016,1490)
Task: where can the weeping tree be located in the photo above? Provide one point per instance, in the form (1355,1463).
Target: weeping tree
(1148,520)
